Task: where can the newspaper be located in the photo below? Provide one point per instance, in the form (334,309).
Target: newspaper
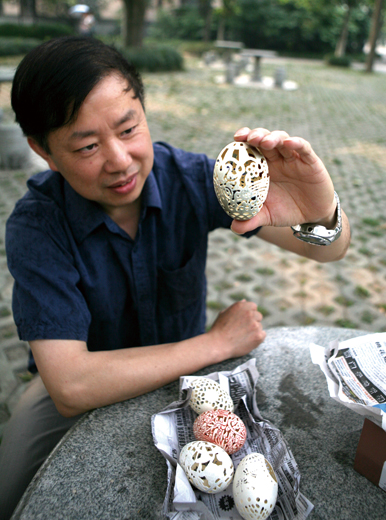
(172,428)
(355,370)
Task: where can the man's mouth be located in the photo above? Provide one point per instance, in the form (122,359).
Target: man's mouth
(119,184)
(124,186)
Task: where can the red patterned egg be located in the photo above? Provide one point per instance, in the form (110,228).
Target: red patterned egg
(221,427)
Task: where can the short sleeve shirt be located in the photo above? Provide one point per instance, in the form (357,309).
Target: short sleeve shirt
(79,276)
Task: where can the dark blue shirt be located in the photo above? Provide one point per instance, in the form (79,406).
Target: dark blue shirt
(79,276)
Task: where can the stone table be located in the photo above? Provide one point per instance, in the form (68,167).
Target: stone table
(257,54)
(107,467)
(229,47)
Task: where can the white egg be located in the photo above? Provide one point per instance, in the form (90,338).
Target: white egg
(241,180)
(208,395)
(207,466)
(255,487)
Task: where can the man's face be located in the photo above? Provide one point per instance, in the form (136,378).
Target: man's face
(106,154)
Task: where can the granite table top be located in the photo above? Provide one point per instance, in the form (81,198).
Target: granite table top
(107,467)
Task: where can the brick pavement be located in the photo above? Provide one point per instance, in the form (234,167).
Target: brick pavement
(343,114)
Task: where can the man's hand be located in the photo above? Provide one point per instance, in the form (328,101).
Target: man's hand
(237,330)
(300,190)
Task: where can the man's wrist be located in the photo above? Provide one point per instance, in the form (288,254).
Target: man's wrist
(331,221)
(316,233)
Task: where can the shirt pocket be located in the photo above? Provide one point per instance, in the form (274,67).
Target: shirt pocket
(180,288)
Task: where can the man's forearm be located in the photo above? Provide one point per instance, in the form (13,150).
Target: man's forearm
(284,238)
(79,380)
(86,380)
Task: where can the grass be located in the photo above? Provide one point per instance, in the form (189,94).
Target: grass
(237,296)
(345,302)
(265,271)
(362,292)
(4,312)
(244,277)
(367,317)
(373,222)
(326,310)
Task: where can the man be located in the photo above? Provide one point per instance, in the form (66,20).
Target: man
(108,247)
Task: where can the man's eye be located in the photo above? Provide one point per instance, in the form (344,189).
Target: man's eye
(88,148)
(128,131)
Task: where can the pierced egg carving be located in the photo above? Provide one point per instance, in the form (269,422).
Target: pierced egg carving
(221,427)
(207,466)
(255,487)
(208,395)
(241,180)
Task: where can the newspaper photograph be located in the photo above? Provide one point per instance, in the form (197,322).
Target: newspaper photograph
(172,429)
(355,371)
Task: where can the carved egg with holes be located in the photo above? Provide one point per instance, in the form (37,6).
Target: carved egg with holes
(241,180)
(255,487)
(208,395)
(207,466)
(221,427)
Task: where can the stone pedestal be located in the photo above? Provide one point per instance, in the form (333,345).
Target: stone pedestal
(14,149)
(280,75)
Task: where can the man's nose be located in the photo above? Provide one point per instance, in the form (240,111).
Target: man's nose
(117,156)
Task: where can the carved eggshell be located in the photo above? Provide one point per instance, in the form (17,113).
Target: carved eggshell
(208,395)
(207,466)
(221,427)
(241,180)
(255,487)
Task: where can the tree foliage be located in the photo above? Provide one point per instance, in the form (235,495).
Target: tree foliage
(297,25)
(294,26)
(344,11)
(182,23)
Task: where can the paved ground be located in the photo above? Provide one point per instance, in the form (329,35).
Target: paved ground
(343,114)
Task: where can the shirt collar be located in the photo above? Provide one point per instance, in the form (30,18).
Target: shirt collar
(85,215)
(151,196)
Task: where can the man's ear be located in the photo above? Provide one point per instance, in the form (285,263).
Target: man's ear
(40,151)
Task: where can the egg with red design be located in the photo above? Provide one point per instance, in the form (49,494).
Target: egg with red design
(221,427)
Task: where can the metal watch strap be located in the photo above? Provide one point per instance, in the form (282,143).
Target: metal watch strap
(319,235)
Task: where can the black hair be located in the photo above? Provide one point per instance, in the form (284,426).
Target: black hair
(54,79)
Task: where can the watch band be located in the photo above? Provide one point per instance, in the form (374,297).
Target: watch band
(319,235)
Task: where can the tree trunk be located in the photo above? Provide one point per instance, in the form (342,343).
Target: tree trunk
(207,28)
(133,22)
(374,33)
(340,49)
(221,29)
(205,8)
(28,10)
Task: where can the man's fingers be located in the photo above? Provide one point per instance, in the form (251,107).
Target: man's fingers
(302,148)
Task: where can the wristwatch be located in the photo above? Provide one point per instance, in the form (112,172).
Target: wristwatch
(320,235)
